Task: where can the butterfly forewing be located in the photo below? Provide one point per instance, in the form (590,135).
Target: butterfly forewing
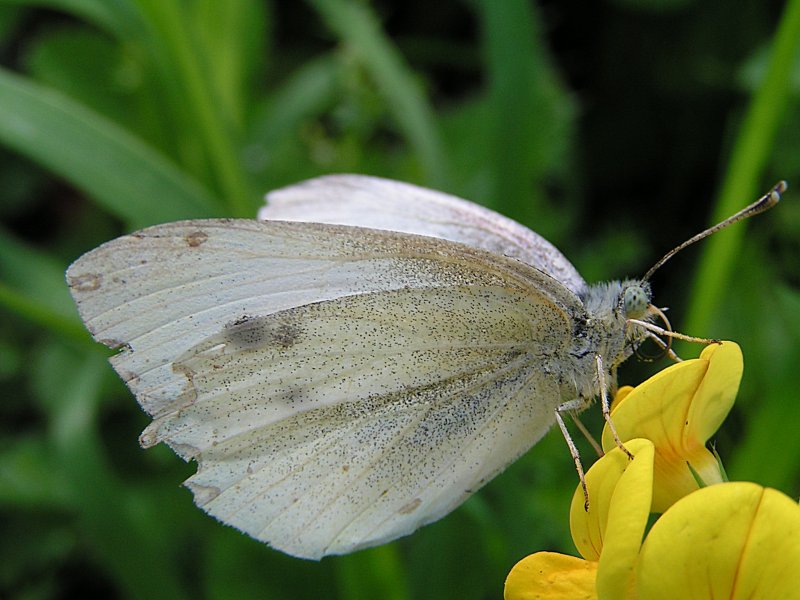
(338,386)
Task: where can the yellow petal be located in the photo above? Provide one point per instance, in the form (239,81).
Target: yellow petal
(732,541)
(627,519)
(551,576)
(679,409)
(621,394)
(716,392)
(620,491)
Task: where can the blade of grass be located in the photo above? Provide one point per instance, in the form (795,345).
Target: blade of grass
(32,286)
(180,59)
(118,170)
(27,477)
(120,542)
(37,312)
(235,33)
(35,274)
(111,15)
(375,573)
(530,113)
(306,93)
(357,26)
(742,178)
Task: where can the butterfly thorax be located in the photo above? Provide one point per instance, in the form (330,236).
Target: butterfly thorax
(608,332)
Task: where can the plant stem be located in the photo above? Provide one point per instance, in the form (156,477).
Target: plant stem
(742,179)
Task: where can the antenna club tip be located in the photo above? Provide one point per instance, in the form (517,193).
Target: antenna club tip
(774,195)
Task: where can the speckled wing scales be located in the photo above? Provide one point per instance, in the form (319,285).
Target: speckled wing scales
(369,423)
(338,387)
(396,206)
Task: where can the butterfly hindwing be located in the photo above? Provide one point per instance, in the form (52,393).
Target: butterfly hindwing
(378,203)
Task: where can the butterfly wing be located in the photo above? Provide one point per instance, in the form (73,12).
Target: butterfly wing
(338,387)
(396,206)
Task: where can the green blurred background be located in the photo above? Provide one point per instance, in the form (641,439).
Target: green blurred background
(616,128)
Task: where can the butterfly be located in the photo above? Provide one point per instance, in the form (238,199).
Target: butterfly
(357,362)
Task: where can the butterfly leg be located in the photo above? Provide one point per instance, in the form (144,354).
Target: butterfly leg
(664,347)
(673,334)
(568,408)
(601,381)
(589,437)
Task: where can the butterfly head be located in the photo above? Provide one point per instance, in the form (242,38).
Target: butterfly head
(635,300)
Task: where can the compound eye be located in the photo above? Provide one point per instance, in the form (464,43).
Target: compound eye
(635,302)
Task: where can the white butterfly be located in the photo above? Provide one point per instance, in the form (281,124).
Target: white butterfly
(340,384)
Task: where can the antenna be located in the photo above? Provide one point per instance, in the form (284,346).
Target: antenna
(763,204)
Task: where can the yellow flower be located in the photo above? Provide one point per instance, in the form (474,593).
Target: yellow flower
(734,541)
(679,409)
(731,540)
(737,541)
(608,536)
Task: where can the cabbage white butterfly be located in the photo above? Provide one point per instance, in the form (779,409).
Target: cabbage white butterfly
(342,382)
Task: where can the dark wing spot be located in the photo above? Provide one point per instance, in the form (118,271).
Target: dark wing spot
(86,283)
(246,333)
(286,335)
(196,238)
(249,333)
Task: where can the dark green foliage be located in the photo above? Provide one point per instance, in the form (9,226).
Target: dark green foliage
(614,128)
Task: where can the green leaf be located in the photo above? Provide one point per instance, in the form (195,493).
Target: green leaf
(32,285)
(9,18)
(106,512)
(305,95)
(373,573)
(196,101)
(749,156)
(89,67)
(358,27)
(123,174)
(233,37)
(531,114)
(36,311)
(27,477)
(113,15)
